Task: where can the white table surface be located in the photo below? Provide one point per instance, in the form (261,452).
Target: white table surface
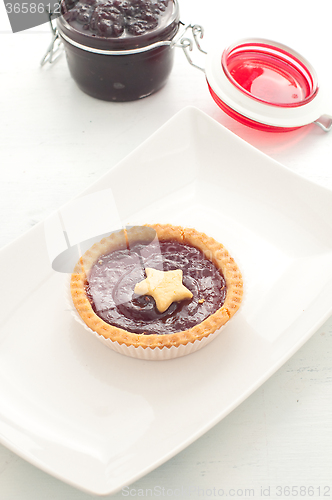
(55,141)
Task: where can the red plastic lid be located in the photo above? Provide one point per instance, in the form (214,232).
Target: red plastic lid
(264,84)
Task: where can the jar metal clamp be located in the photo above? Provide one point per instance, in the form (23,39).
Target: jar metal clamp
(54,50)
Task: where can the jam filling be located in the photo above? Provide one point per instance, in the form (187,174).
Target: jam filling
(116,18)
(113,277)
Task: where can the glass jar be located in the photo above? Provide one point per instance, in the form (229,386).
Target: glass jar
(123,67)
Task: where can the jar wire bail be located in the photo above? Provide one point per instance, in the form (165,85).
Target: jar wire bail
(187,44)
(55,48)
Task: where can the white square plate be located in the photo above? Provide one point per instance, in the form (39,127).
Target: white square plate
(99,420)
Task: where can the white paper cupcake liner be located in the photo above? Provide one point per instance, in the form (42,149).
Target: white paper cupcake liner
(156,354)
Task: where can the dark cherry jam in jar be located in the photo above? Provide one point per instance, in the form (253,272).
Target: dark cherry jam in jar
(119,50)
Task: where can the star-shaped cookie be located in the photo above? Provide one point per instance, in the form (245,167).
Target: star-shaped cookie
(164,286)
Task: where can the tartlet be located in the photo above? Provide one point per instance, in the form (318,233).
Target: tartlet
(91,305)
